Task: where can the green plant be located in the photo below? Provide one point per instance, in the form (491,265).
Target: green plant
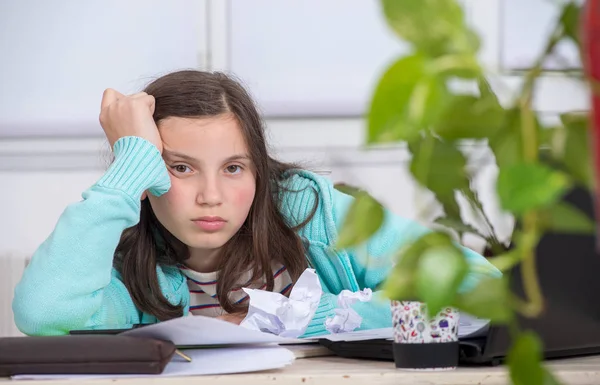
(414,103)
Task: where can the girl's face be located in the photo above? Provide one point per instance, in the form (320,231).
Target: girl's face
(212,180)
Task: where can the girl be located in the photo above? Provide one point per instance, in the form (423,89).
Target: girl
(191,210)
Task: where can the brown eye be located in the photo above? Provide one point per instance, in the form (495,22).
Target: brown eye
(233,169)
(180,168)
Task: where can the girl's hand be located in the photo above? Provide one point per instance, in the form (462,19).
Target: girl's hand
(233,318)
(130,115)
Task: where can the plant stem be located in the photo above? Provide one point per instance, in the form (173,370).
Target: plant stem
(530,225)
(535,304)
(523,307)
(513,328)
(531,284)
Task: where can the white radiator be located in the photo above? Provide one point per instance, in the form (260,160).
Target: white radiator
(11,269)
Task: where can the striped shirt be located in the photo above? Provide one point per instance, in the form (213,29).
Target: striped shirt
(203,289)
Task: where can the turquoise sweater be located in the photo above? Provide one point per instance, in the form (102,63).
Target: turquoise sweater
(71,283)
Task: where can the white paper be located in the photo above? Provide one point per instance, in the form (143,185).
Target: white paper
(344,320)
(200,330)
(361,335)
(286,317)
(204,362)
(347,319)
(470,326)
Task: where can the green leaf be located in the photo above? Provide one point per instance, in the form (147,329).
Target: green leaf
(550,137)
(507,144)
(441,271)
(458,225)
(564,218)
(400,284)
(575,119)
(527,186)
(488,299)
(405,101)
(577,152)
(470,117)
(507,148)
(525,360)
(523,241)
(507,261)
(427,102)
(364,218)
(570,21)
(464,66)
(449,203)
(387,114)
(348,189)
(446,32)
(438,165)
(485,90)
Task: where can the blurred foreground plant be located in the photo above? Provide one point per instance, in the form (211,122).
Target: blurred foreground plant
(415,103)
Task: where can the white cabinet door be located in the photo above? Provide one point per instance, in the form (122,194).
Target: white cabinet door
(526,26)
(306,57)
(513,34)
(58,56)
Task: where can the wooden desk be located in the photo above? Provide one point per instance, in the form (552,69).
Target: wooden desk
(334,370)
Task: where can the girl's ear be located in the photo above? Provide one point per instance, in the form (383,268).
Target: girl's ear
(144,195)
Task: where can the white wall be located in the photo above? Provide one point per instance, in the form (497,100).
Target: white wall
(58,57)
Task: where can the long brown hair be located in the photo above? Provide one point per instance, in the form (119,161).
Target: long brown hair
(265,236)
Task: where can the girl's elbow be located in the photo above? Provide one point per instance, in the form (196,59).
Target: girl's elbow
(35,316)
(30,321)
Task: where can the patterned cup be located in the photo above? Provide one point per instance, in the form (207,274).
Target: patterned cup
(421,343)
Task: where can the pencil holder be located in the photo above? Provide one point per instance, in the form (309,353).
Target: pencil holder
(423,343)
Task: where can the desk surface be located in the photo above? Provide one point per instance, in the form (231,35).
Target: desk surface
(333,370)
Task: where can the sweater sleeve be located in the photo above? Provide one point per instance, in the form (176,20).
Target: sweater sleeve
(70,282)
(375,314)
